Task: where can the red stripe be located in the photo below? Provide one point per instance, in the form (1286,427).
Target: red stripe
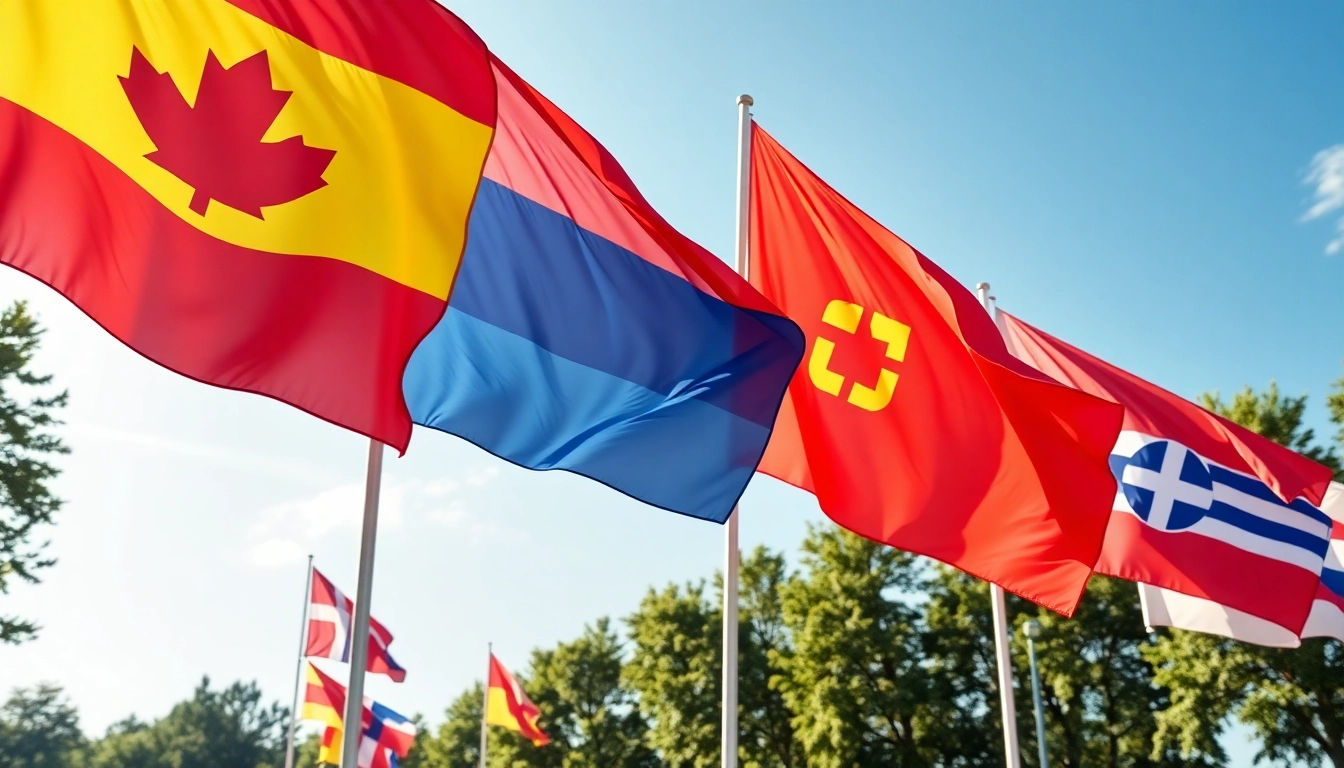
(418,43)
(623,208)
(1203,567)
(323,335)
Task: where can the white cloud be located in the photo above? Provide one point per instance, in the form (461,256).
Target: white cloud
(285,533)
(1326,176)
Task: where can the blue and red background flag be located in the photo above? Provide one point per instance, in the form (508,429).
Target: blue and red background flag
(584,333)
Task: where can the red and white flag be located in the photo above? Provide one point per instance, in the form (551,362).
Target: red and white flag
(330,614)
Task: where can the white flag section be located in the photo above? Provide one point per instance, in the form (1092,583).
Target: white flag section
(1164,608)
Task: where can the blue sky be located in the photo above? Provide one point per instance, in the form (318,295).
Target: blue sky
(1129,176)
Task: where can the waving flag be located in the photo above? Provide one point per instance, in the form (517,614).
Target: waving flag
(910,421)
(329,616)
(508,705)
(264,195)
(586,334)
(387,735)
(1165,608)
(1201,503)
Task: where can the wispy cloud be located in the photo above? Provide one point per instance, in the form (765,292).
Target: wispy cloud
(1326,176)
(285,533)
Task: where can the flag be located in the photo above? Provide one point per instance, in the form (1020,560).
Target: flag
(1200,502)
(910,421)
(588,335)
(508,705)
(1165,608)
(264,195)
(323,698)
(386,735)
(329,616)
(330,750)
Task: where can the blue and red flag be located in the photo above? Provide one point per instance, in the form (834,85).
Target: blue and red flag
(1201,502)
(584,333)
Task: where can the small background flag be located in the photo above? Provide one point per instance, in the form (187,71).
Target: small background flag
(329,619)
(323,698)
(386,736)
(508,705)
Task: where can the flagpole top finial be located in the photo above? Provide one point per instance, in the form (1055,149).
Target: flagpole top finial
(745,99)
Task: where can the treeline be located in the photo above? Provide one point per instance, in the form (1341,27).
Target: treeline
(859,655)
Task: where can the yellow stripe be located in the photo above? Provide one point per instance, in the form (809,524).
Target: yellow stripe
(406,165)
(332,754)
(497,710)
(320,713)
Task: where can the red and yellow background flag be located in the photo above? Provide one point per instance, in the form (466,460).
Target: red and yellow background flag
(264,195)
(323,699)
(909,419)
(508,705)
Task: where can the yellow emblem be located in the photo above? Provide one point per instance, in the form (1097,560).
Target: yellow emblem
(846,317)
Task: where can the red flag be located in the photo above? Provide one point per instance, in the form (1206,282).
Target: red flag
(910,421)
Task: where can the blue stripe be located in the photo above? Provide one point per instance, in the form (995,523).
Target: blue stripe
(1333,581)
(1268,529)
(542,411)
(535,273)
(563,350)
(1252,486)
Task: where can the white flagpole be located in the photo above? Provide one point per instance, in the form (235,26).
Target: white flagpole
(485,705)
(1002,639)
(298,668)
(728,747)
(353,721)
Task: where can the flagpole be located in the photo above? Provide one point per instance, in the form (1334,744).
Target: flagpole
(485,705)
(1002,640)
(353,721)
(298,668)
(728,747)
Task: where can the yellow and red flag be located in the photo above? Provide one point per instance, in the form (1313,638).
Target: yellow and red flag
(507,705)
(323,699)
(264,195)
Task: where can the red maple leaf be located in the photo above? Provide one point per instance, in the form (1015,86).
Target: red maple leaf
(215,144)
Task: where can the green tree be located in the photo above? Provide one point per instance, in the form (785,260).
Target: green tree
(306,752)
(39,729)
(675,670)
(856,676)
(767,739)
(228,728)
(128,744)
(1293,700)
(457,744)
(1335,402)
(26,447)
(958,641)
(1100,699)
(589,715)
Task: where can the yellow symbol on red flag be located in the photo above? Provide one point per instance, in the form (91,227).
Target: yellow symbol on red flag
(846,316)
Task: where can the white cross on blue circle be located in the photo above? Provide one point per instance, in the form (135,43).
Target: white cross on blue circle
(1167,485)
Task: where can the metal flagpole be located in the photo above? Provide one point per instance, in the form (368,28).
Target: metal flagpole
(728,747)
(485,705)
(1032,629)
(1002,640)
(298,669)
(353,722)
